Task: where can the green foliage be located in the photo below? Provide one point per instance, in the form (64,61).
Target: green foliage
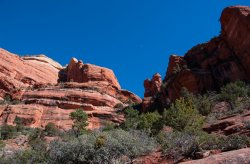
(100,141)
(8,100)
(184,144)
(233,142)
(28,156)
(131,119)
(2,144)
(35,133)
(149,122)
(247,124)
(183,115)
(118,105)
(51,129)
(8,132)
(108,126)
(203,103)
(80,121)
(233,91)
(106,147)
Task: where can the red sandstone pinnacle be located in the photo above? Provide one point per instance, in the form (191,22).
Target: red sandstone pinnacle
(152,86)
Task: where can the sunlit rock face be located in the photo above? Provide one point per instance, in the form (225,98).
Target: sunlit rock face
(211,65)
(43,91)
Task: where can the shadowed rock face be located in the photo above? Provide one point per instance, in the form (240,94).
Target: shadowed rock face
(49,93)
(210,65)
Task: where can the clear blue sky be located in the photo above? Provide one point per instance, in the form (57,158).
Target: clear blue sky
(132,37)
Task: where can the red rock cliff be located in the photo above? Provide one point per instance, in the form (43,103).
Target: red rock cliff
(210,65)
(47,92)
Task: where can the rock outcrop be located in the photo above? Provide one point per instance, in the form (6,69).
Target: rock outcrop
(236,156)
(232,124)
(152,87)
(210,65)
(79,72)
(17,72)
(43,91)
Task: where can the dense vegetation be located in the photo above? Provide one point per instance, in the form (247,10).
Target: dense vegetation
(140,134)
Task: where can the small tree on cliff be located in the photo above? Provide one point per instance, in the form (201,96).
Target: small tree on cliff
(80,119)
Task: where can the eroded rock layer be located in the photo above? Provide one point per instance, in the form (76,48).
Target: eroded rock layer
(38,90)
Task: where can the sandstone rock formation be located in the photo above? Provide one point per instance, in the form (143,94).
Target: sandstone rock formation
(79,72)
(46,92)
(210,65)
(236,156)
(17,73)
(232,124)
(152,87)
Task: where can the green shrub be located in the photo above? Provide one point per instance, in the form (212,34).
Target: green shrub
(51,129)
(8,132)
(35,133)
(131,119)
(38,144)
(2,144)
(203,103)
(80,119)
(105,147)
(234,142)
(8,100)
(118,105)
(233,91)
(108,126)
(247,124)
(28,156)
(183,115)
(178,145)
(100,141)
(149,122)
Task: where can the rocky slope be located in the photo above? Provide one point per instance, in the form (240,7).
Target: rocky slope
(38,90)
(236,156)
(207,66)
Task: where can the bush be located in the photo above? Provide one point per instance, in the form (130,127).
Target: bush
(51,129)
(2,144)
(247,124)
(151,123)
(234,142)
(80,121)
(178,145)
(105,147)
(26,156)
(203,103)
(131,119)
(118,105)
(8,132)
(183,115)
(233,91)
(35,133)
(108,126)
